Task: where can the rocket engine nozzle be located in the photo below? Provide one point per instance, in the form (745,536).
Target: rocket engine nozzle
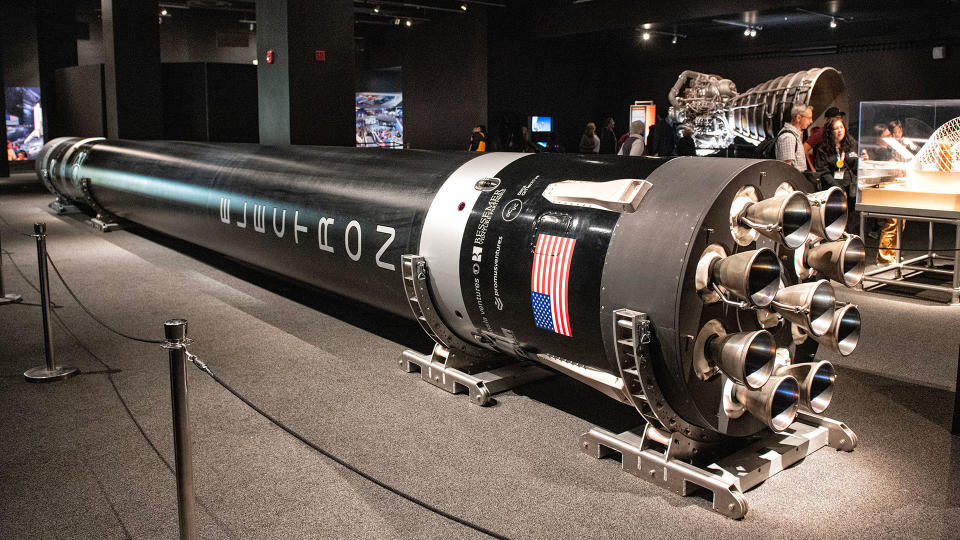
(843,336)
(816,383)
(808,305)
(775,404)
(830,212)
(752,276)
(843,261)
(786,219)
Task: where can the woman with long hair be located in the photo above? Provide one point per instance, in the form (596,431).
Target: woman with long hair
(590,142)
(835,161)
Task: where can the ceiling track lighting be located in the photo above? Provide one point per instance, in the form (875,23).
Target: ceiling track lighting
(835,20)
(648,32)
(409,23)
(376,8)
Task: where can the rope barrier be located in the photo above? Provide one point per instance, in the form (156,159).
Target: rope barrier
(423,504)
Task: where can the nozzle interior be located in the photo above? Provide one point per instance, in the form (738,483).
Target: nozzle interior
(758,363)
(848,330)
(822,308)
(834,214)
(764,277)
(854,261)
(783,407)
(796,220)
(821,387)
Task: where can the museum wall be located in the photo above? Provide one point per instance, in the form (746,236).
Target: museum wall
(19,41)
(445,81)
(185,36)
(581,78)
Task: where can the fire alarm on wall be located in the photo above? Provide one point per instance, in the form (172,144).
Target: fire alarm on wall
(270,56)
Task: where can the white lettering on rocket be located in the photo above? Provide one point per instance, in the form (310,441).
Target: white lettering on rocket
(259,214)
(283,222)
(354,255)
(352,235)
(393,233)
(297,228)
(225,210)
(322,234)
(243,225)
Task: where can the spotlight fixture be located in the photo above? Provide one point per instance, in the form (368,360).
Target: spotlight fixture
(753,32)
(645,36)
(463,7)
(647,26)
(674,40)
(253,27)
(409,23)
(255,62)
(376,8)
(396,22)
(746,31)
(833,22)
(164,12)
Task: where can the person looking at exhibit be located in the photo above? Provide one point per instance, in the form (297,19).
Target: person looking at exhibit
(789,146)
(608,137)
(686,146)
(589,141)
(478,140)
(633,146)
(835,160)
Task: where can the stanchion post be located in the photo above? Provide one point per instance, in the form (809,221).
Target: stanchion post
(49,371)
(175,332)
(955,428)
(6,298)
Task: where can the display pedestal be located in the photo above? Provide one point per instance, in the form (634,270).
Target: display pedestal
(904,269)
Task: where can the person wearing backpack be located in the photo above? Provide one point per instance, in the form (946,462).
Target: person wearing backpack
(789,147)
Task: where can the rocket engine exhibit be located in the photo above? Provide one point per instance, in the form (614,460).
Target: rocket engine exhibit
(695,290)
(712,107)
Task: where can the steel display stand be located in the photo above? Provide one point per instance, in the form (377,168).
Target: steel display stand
(904,269)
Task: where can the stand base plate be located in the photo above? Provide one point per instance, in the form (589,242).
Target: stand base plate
(10,298)
(41,374)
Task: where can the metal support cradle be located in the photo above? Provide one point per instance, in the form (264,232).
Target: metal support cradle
(728,476)
(674,460)
(455,365)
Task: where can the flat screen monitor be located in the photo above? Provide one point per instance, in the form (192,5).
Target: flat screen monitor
(541,124)
(379,119)
(24,122)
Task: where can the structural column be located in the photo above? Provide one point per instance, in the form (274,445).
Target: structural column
(4,164)
(131,42)
(56,48)
(305,72)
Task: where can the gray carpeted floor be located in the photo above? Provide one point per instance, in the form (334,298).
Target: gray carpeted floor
(90,457)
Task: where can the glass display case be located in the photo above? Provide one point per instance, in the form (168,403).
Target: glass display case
(910,157)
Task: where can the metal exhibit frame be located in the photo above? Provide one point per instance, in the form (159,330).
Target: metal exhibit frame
(910,265)
(676,467)
(480,372)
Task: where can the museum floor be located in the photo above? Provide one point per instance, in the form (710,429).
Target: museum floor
(91,457)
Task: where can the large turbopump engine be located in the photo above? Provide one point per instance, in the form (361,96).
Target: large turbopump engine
(711,106)
(671,285)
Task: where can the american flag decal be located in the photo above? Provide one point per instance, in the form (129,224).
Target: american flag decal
(549,283)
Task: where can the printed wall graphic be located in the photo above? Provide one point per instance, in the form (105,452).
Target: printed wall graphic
(24,119)
(379,120)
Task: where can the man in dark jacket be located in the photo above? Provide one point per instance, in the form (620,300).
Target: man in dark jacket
(686,145)
(608,138)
